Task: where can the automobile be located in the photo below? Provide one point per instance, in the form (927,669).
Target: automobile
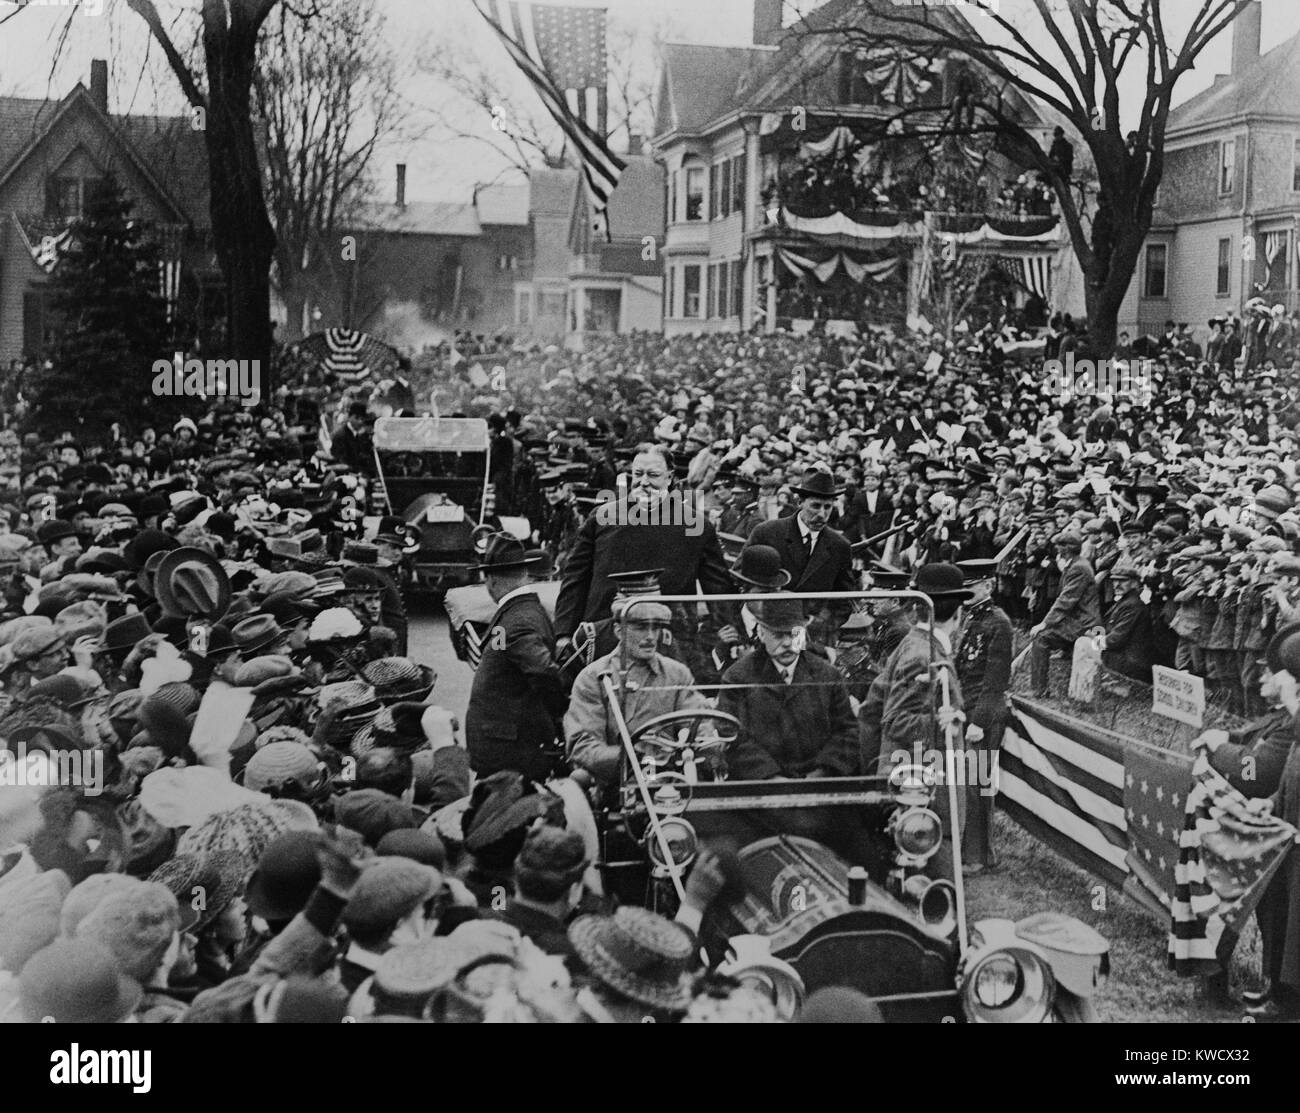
(887,923)
(433,473)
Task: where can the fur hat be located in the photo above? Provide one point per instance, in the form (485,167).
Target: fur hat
(29,916)
(136,924)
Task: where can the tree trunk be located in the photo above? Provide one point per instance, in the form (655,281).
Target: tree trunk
(241,229)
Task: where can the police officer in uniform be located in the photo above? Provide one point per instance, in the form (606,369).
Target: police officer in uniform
(742,513)
(983,662)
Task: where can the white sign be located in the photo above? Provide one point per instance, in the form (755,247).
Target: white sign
(447,512)
(1178,695)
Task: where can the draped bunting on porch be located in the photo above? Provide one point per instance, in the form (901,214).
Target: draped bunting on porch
(839,224)
(898,78)
(858,267)
(842,224)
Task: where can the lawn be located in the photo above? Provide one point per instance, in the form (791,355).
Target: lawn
(1032,878)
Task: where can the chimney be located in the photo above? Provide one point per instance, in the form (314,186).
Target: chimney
(401,185)
(767,22)
(1245,37)
(634,143)
(99,83)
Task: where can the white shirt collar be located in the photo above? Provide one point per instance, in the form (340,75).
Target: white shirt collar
(804,531)
(527,589)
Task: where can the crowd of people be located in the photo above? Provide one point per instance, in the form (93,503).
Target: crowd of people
(208,622)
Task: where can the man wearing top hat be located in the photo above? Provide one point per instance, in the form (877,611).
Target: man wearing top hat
(818,558)
(984,668)
(517,699)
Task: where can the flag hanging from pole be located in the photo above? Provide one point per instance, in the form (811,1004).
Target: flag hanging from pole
(561,50)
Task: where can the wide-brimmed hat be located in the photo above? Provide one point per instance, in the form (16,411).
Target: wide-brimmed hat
(504,553)
(190,583)
(817,484)
(216,877)
(941,580)
(400,679)
(638,953)
(760,566)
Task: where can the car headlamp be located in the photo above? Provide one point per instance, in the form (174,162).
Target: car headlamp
(917,834)
(683,845)
(1005,983)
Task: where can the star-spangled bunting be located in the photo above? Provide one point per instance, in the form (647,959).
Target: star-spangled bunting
(1228,852)
(1172,835)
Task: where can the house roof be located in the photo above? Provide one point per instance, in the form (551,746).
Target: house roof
(636,207)
(1269,87)
(503,204)
(551,191)
(700,83)
(166,149)
(421,218)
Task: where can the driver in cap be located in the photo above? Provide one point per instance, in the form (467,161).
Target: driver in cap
(648,682)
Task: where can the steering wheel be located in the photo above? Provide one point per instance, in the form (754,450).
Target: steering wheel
(678,731)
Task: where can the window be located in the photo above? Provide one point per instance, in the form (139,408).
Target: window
(523,307)
(695,193)
(1295,165)
(550,305)
(692,304)
(65,198)
(1224,276)
(1227,165)
(715,287)
(670,310)
(507,262)
(672,198)
(738,183)
(737,287)
(722,189)
(1154,284)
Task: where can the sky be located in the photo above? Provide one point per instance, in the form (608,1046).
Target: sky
(439,168)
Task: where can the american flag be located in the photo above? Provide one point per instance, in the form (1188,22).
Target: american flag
(1227,855)
(1169,833)
(562,52)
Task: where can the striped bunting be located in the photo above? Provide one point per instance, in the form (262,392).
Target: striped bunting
(1065,785)
(513,23)
(1228,853)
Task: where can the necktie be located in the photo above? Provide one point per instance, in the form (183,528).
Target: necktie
(808,542)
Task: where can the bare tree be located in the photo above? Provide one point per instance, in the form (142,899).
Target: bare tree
(1077,78)
(520,131)
(327,93)
(635,54)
